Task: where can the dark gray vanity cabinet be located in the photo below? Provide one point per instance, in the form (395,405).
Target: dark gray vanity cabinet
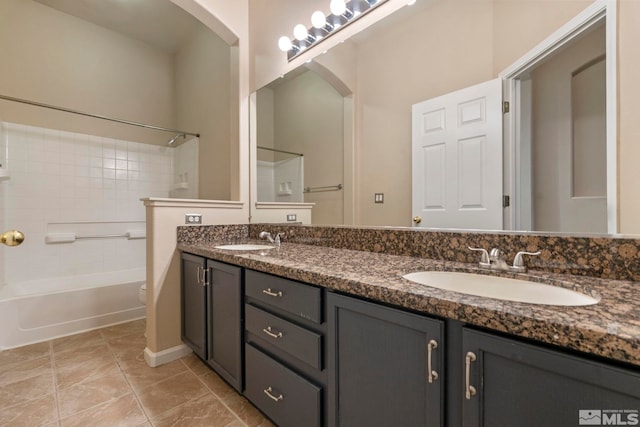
(212,315)
(193,303)
(225,321)
(510,383)
(386,366)
(285,353)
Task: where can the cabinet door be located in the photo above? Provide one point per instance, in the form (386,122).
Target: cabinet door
(225,321)
(523,385)
(378,365)
(193,303)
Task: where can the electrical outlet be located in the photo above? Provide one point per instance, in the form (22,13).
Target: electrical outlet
(292,217)
(378,198)
(192,219)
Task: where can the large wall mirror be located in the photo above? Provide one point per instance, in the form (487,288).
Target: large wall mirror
(144,61)
(434,48)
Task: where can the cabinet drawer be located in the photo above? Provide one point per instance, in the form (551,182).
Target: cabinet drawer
(287,398)
(297,298)
(299,342)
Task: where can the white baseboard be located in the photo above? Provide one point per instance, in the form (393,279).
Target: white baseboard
(165,356)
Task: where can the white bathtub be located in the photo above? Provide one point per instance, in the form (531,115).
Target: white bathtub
(40,310)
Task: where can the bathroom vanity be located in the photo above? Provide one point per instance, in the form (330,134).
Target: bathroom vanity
(337,337)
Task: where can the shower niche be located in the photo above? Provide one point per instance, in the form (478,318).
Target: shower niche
(280,176)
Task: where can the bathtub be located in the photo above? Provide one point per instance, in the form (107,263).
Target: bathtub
(40,310)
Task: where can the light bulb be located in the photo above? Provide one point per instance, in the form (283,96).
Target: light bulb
(284,44)
(318,20)
(338,7)
(300,32)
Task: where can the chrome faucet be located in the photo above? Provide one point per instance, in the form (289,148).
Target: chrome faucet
(270,238)
(494,260)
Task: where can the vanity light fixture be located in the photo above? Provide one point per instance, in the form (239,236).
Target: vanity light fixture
(343,12)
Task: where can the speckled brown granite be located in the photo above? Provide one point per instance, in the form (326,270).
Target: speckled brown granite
(609,329)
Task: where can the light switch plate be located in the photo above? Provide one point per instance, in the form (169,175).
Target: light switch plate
(378,198)
(193,219)
(292,217)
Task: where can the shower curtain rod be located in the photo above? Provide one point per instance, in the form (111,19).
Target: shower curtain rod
(96,116)
(281,151)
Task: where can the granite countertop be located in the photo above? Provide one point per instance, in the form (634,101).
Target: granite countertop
(610,329)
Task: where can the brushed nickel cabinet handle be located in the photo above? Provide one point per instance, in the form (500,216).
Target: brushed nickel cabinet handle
(271,333)
(272,293)
(201,276)
(432,375)
(268,391)
(469,389)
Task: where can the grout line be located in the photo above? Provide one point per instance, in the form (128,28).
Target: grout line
(133,392)
(54,368)
(214,393)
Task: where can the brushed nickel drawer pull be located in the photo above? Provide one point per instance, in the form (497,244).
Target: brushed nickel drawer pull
(272,293)
(432,375)
(470,390)
(268,392)
(271,333)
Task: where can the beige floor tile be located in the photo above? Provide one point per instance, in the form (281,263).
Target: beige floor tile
(137,327)
(18,371)
(133,343)
(217,385)
(85,370)
(205,411)
(76,342)
(96,391)
(196,365)
(123,411)
(37,412)
(24,390)
(246,411)
(170,393)
(27,352)
(141,376)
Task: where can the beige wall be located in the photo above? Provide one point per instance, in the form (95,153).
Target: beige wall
(57,59)
(518,26)
(203,93)
(628,123)
(416,61)
(308,119)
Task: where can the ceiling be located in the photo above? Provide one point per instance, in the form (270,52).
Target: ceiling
(158,23)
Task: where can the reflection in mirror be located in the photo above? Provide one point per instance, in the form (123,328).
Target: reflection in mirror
(147,62)
(403,60)
(304,114)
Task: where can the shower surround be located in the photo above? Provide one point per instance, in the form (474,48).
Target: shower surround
(67,186)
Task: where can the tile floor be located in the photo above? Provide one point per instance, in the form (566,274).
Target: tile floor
(100,378)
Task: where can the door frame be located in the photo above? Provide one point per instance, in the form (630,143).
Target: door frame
(599,11)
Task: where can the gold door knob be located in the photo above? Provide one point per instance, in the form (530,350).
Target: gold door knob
(12,238)
(417,219)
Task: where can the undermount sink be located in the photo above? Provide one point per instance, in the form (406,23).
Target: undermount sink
(501,288)
(244,247)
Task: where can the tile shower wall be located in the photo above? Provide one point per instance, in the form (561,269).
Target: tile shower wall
(64,177)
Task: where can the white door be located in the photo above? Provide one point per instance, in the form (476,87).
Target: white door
(457,159)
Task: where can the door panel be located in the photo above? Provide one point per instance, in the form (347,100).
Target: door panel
(457,158)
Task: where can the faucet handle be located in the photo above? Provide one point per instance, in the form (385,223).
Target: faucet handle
(518,263)
(278,235)
(495,254)
(484,260)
